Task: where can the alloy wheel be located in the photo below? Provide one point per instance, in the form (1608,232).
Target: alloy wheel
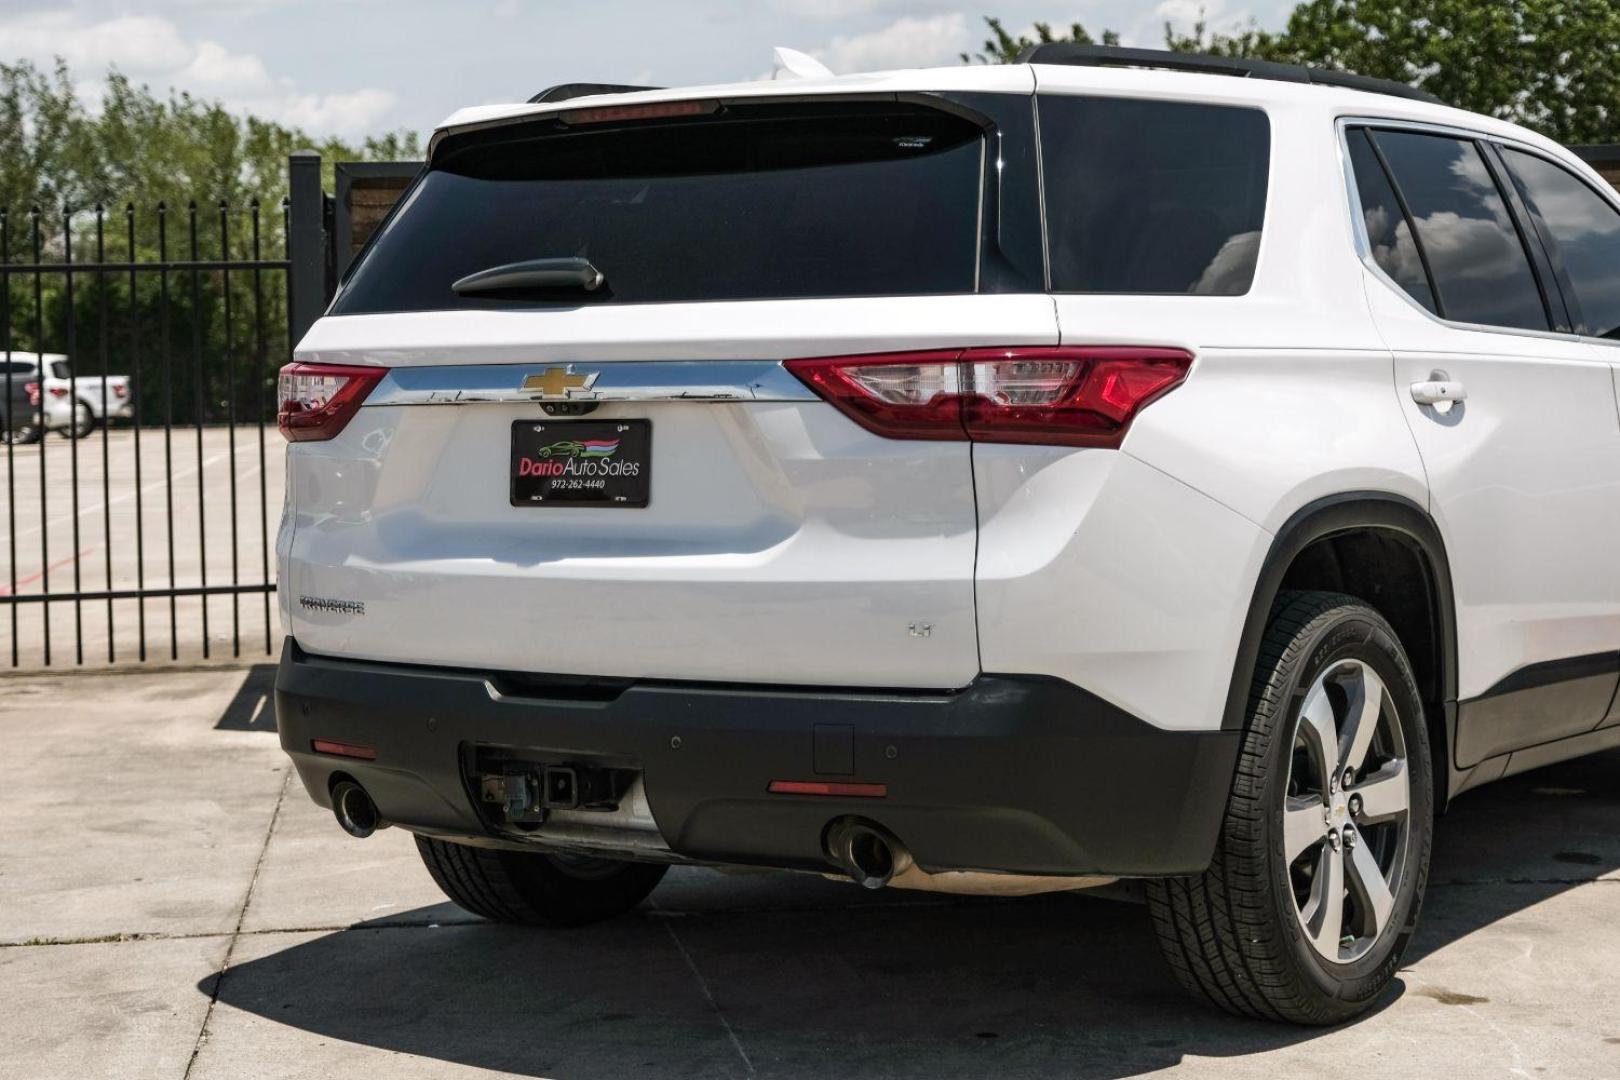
(1346,813)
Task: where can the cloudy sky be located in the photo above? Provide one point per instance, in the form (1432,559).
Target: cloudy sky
(352,67)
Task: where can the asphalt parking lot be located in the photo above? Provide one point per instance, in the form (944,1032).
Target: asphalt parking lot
(172,906)
(129,526)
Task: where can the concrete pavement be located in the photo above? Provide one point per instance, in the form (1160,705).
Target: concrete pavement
(172,906)
(149,511)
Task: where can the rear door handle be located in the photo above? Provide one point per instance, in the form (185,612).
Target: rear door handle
(1437,388)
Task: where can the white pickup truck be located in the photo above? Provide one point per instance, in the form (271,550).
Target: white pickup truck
(71,406)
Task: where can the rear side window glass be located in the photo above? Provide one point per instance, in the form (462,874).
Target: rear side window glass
(1389,234)
(1153,196)
(1586,230)
(1473,248)
(61,370)
(751,202)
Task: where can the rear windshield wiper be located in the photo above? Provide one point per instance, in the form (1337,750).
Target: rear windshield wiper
(565,273)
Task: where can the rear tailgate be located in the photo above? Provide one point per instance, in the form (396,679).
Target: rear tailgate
(780,542)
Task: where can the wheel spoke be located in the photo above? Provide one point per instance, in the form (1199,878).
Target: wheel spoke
(1366,704)
(1303,825)
(1324,913)
(1384,795)
(1373,899)
(1321,734)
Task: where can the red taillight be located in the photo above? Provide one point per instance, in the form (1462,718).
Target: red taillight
(32,390)
(1058,395)
(120,390)
(657,110)
(57,391)
(315,401)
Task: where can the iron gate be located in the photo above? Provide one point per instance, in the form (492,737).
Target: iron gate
(189,306)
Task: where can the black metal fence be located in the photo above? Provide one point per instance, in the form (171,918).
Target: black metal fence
(149,535)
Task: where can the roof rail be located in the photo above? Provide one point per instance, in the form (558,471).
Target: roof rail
(568,91)
(1062,52)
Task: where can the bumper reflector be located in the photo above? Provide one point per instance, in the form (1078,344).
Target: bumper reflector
(823,787)
(326,746)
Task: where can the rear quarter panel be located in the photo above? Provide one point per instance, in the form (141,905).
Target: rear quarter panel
(1131,574)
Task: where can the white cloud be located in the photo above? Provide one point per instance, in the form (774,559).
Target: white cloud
(131,42)
(832,9)
(215,68)
(1148,32)
(154,50)
(908,42)
(356,113)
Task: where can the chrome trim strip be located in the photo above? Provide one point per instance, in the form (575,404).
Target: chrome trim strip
(1359,227)
(630,380)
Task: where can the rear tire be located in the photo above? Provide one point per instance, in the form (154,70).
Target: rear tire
(83,423)
(22,435)
(536,888)
(1297,917)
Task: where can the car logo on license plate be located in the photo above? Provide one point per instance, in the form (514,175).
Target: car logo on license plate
(560,382)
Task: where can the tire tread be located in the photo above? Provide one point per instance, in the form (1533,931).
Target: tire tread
(1217,930)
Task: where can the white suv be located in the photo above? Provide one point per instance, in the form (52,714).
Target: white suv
(984,478)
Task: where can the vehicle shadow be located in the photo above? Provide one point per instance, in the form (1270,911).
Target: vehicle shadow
(765,974)
(252,708)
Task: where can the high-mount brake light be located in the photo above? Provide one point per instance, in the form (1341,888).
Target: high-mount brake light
(315,402)
(1051,395)
(657,110)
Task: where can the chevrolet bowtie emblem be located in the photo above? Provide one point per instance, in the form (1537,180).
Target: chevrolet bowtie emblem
(560,383)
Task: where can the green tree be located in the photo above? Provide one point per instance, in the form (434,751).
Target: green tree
(1551,65)
(140,177)
(1002,48)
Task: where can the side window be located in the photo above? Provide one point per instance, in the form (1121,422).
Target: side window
(61,370)
(1389,233)
(1586,230)
(1473,248)
(1153,196)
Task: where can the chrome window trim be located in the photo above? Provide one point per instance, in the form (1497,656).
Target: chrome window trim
(629,380)
(1359,226)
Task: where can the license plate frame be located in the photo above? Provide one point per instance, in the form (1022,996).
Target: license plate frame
(580,464)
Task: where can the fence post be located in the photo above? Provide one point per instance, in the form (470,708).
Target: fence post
(306,243)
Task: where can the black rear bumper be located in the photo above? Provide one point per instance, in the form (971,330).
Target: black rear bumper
(1014,773)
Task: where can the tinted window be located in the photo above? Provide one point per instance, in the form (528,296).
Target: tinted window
(1153,197)
(830,199)
(1389,234)
(61,370)
(1474,251)
(1586,230)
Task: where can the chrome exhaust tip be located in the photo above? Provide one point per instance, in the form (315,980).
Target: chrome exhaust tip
(867,853)
(355,812)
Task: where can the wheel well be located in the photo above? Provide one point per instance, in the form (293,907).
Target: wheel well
(1388,573)
(1386,551)
(1392,573)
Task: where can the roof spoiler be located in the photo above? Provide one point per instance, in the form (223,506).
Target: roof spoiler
(568,91)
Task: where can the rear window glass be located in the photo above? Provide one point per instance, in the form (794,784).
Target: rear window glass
(1464,230)
(828,199)
(1586,230)
(1153,196)
(1389,234)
